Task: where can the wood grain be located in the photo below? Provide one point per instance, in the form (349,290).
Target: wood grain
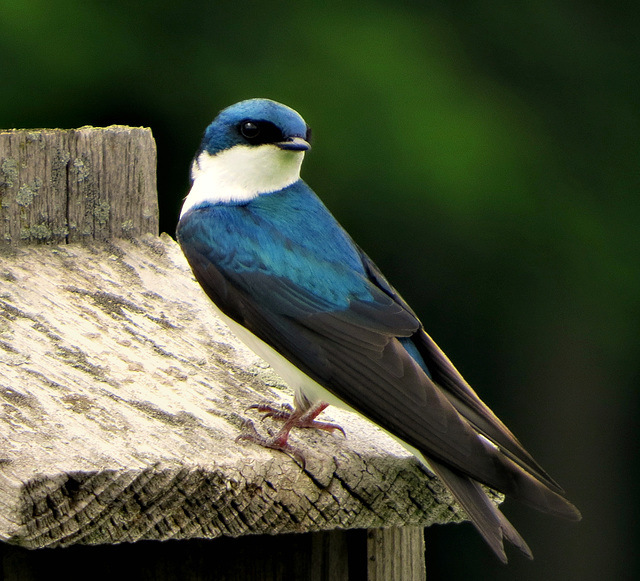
(68,185)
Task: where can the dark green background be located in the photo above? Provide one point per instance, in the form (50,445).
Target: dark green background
(485,154)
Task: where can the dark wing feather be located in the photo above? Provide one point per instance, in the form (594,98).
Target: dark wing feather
(485,516)
(462,395)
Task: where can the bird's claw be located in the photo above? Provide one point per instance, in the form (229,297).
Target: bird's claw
(274,442)
(282,412)
(286,413)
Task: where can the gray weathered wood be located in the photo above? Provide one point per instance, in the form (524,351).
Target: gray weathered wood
(77,184)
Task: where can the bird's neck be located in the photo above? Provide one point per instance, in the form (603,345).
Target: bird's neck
(241,174)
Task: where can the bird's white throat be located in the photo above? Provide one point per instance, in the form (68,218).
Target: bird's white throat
(241,173)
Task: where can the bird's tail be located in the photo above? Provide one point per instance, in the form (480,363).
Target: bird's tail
(485,516)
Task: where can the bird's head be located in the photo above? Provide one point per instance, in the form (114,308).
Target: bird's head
(251,148)
(256,123)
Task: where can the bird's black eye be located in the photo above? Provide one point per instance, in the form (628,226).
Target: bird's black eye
(259,132)
(249,130)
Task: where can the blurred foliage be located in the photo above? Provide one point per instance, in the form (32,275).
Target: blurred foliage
(485,155)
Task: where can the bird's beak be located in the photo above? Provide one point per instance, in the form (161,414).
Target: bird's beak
(294,144)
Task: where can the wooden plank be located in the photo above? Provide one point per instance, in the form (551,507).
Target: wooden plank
(60,185)
(396,554)
(121,395)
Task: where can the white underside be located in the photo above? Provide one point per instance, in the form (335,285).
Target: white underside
(241,174)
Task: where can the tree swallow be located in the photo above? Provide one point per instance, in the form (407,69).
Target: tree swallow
(293,285)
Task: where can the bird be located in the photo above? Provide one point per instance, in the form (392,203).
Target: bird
(291,283)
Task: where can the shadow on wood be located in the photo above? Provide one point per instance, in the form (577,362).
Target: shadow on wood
(353,555)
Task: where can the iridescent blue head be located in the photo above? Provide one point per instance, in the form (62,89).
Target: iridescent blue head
(256,122)
(252,148)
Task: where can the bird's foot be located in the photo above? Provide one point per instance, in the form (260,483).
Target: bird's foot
(277,441)
(295,418)
(292,418)
(282,412)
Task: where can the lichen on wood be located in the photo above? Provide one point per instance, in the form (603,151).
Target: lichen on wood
(66,185)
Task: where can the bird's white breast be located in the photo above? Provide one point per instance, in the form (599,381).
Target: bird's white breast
(241,173)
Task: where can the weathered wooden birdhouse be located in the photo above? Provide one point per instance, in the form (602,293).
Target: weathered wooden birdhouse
(121,395)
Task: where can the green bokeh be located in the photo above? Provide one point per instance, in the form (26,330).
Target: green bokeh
(486,155)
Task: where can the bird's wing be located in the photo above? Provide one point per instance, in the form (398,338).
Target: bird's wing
(460,393)
(353,350)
